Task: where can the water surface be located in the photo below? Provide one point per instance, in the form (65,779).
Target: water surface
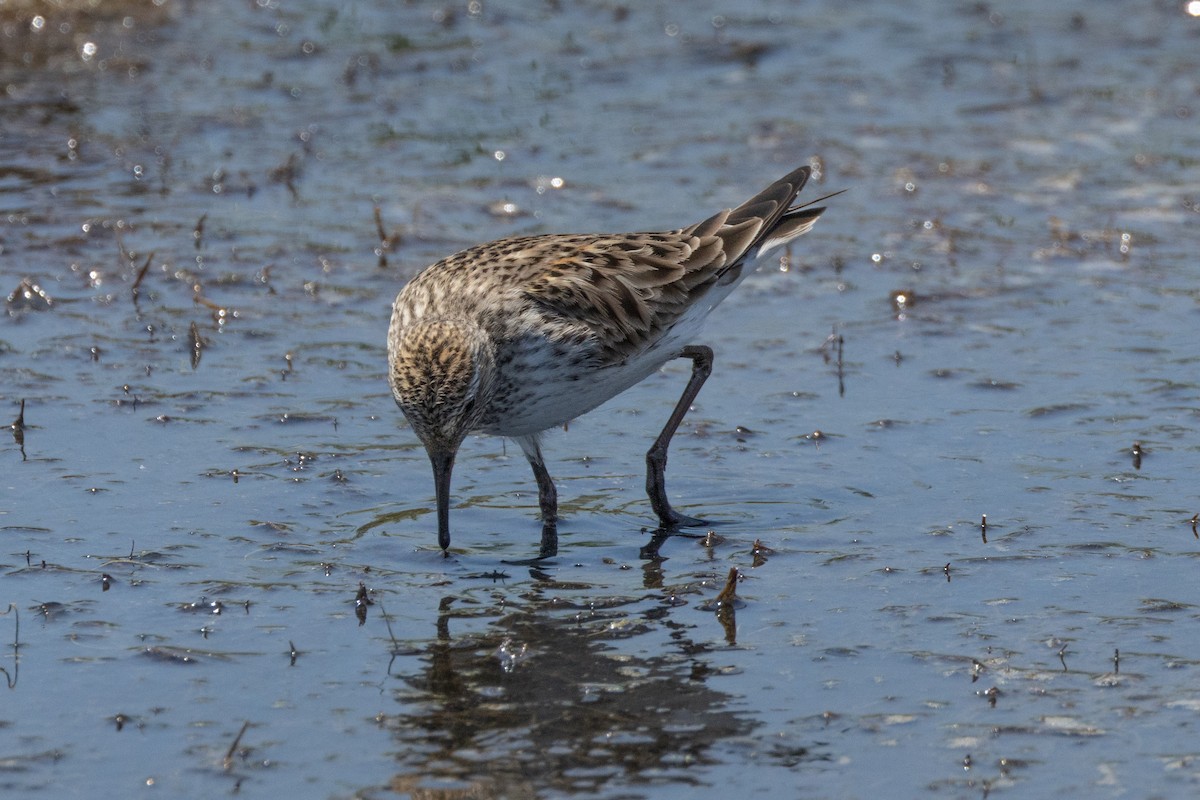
(218,531)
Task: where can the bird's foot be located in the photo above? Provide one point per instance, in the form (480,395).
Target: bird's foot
(660,535)
(546,550)
(673,520)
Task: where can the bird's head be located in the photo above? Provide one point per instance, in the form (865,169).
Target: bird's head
(441,372)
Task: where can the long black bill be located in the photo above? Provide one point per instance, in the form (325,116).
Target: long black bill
(443,465)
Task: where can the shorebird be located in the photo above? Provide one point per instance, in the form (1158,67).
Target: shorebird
(524,334)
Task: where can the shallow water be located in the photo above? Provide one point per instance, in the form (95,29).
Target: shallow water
(211,467)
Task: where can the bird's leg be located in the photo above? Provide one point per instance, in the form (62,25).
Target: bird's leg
(656,456)
(547,496)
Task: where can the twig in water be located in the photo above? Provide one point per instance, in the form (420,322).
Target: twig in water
(137,283)
(387,242)
(227,763)
(387,622)
(198,231)
(18,432)
(11,680)
(729,593)
(195,344)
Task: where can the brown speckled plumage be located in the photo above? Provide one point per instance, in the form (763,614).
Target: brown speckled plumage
(520,335)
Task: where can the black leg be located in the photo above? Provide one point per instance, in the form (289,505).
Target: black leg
(547,496)
(656,457)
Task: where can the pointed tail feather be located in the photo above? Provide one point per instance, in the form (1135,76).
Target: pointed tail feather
(796,222)
(769,219)
(771,203)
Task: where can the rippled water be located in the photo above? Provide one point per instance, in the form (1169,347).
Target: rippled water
(217,529)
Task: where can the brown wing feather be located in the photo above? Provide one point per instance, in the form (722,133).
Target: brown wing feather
(626,289)
(630,288)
